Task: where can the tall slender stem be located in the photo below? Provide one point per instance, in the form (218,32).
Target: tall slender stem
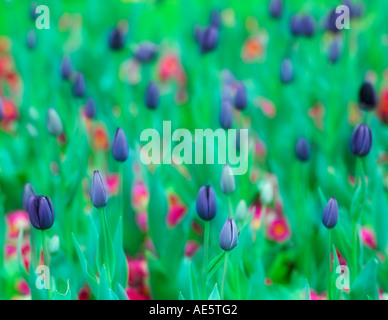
(121,191)
(329,266)
(105,239)
(224,275)
(46,262)
(205,258)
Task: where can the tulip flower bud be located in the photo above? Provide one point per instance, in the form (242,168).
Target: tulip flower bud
(31,39)
(296,25)
(226,116)
(276,8)
(66,68)
(53,122)
(145,52)
(286,71)
(98,191)
(215,19)
(79,86)
(240,99)
(152,96)
(206,203)
(227,180)
(120,146)
(302,149)
(33,14)
(355,10)
(208,39)
(361,141)
(229,235)
(307,25)
(367,96)
(241,210)
(116,39)
(330,214)
(90,108)
(28,192)
(334,51)
(331,21)
(41,212)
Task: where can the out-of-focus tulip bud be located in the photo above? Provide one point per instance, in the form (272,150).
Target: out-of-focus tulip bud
(367,96)
(79,86)
(208,39)
(41,212)
(228,184)
(241,211)
(28,192)
(229,235)
(98,191)
(215,19)
(145,52)
(330,214)
(276,8)
(355,10)
(296,25)
(331,21)
(206,203)
(240,99)
(116,39)
(361,141)
(120,146)
(302,149)
(226,116)
(307,25)
(33,14)
(152,96)
(66,68)
(334,51)
(53,122)
(90,108)
(31,39)
(286,71)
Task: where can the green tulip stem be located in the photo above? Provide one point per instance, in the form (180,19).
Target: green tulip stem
(329,266)
(105,239)
(224,274)
(230,207)
(46,261)
(205,257)
(121,191)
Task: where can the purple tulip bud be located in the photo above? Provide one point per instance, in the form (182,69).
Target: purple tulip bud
(31,39)
(334,52)
(98,191)
(33,14)
(330,214)
(145,52)
(228,184)
(361,141)
(367,96)
(296,25)
(355,10)
(206,203)
(286,71)
(302,149)
(53,122)
(229,235)
(79,86)
(90,108)
(307,26)
(226,116)
(152,96)
(215,19)
(41,212)
(240,99)
(208,39)
(116,39)
(276,8)
(120,146)
(331,21)
(28,192)
(66,68)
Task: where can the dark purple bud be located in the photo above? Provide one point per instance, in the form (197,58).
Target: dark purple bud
(367,96)
(98,191)
(240,99)
(90,108)
(276,8)
(334,52)
(286,71)
(302,149)
(229,235)
(208,39)
(226,116)
(206,203)
(28,192)
(116,39)
(120,146)
(79,86)
(31,39)
(66,68)
(307,26)
(331,21)
(152,96)
(330,214)
(296,25)
(41,212)
(361,141)
(215,19)
(145,52)
(33,14)
(355,10)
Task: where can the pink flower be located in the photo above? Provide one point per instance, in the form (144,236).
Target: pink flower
(191,248)
(368,238)
(315,296)
(278,230)
(140,196)
(142,221)
(17,220)
(137,271)
(23,288)
(134,294)
(176,211)
(112,183)
(84,294)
